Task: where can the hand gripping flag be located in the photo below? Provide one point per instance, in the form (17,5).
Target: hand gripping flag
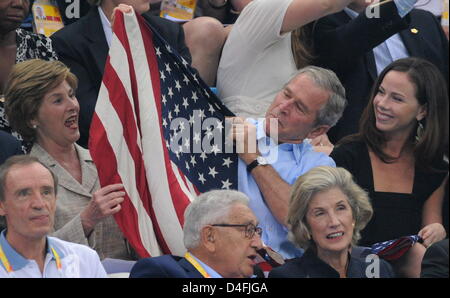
(393,249)
(156,129)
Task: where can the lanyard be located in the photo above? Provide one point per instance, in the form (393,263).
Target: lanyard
(196,265)
(57,259)
(9,268)
(5,261)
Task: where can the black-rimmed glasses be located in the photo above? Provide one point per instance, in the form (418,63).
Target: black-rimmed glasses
(250,229)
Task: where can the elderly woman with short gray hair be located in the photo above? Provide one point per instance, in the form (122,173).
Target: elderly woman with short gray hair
(326,213)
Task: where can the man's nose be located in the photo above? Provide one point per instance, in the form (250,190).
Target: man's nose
(285,106)
(37,201)
(256,242)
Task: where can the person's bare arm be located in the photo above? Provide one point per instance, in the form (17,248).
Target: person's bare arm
(433,230)
(302,12)
(239,5)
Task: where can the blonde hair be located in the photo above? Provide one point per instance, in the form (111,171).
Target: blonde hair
(27,84)
(318,180)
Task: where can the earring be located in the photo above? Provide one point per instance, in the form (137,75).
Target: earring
(419,132)
(34,126)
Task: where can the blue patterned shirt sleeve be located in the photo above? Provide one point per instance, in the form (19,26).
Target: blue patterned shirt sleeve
(404,6)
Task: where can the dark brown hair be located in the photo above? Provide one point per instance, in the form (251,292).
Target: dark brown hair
(301,44)
(431,92)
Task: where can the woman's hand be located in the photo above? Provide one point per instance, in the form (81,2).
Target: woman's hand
(432,233)
(322,144)
(105,202)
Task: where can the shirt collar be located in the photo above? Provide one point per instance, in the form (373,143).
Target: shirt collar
(16,260)
(106,26)
(49,161)
(351,13)
(260,128)
(296,149)
(212,273)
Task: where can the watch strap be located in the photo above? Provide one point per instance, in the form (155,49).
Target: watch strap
(252,165)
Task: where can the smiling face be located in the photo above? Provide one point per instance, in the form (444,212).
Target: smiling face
(330,221)
(57,119)
(12,13)
(234,252)
(29,202)
(296,107)
(396,107)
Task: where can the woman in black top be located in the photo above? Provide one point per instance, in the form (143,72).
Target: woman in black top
(398,155)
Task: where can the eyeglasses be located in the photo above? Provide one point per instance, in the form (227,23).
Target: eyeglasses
(250,229)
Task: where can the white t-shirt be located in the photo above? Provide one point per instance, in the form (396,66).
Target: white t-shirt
(257,61)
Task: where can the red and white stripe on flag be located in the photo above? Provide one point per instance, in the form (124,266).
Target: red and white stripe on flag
(128,147)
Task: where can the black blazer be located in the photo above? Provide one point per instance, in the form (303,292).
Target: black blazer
(310,266)
(166,266)
(346,45)
(9,146)
(83,48)
(169,266)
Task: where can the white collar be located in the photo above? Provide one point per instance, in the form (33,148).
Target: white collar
(106,26)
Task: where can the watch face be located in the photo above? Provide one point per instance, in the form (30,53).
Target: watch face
(261,160)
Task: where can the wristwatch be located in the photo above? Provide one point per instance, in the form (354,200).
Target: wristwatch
(211,3)
(259,161)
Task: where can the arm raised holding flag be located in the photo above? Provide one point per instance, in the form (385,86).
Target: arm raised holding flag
(149,96)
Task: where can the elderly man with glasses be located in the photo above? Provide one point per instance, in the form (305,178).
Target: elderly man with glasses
(221,235)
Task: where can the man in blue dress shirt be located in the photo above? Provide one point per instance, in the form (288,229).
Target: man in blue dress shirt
(308,105)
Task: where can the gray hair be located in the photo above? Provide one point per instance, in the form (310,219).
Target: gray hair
(318,180)
(208,208)
(327,80)
(20,160)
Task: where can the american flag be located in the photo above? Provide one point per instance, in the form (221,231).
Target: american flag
(157,130)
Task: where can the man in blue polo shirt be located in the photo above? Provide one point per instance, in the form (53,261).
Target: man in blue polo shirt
(28,202)
(308,105)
